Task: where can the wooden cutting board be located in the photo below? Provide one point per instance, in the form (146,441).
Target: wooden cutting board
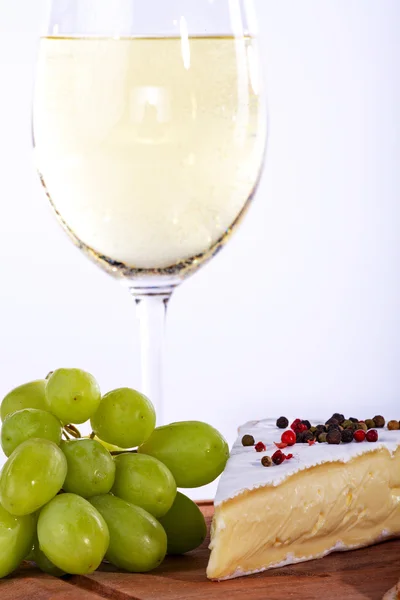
(359,575)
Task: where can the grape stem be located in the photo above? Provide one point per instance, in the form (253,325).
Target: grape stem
(72,430)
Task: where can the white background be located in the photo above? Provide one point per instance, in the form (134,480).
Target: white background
(300,313)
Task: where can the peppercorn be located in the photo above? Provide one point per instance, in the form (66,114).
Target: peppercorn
(266,461)
(362,426)
(313,429)
(339,417)
(282,423)
(321,428)
(332,421)
(248,440)
(307,424)
(393,425)
(334,436)
(379,421)
(359,435)
(278,457)
(299,437)
(347,436)
(372,435)
(370,423)
(307,436)
(322,437)
(333,426)
(260,447)
(354,420)
(347,424)
(288,437)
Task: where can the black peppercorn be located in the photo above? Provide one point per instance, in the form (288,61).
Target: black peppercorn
(332,421)
(339,417)
(347,436)
(266,461)
(333,426)
(299,437)
(282,423)
(307,437)
(334,436)
(321,428)
(307,424)
(353,419)
(379,421)
(248,440)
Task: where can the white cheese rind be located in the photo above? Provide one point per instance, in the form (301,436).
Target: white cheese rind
(244,470)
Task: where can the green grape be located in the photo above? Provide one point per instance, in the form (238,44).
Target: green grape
(194,452)
(29,395)
(29,423)
(16,539)
(138,543)
(72,395)
(184,525)
(32,476)
(144,481)
(124,418)
(73,534)
(91,468)
(41,560)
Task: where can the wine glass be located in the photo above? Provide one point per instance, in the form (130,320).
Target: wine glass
(149,128)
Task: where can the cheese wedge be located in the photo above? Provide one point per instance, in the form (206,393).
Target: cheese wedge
(393,594)
(324,499)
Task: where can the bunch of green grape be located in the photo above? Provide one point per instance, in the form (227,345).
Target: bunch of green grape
(67,503)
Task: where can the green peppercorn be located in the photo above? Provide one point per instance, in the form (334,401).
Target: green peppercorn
(313,429)
(248,440)
(347,424)
(347,436)
(392,425)
(379,421)
(362,426)
(307,437)
(266,461)
(334,436)
(282,423)
(370,423)
(322,437)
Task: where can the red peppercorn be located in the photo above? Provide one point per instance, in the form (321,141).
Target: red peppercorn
(260,447)
(301,427)
(288,456)
(278,457)
(295,423)
(372,435)
(288,437)
(359,435)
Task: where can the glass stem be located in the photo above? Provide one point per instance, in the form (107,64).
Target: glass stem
(151,306)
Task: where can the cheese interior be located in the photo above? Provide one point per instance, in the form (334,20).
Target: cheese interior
(327,507)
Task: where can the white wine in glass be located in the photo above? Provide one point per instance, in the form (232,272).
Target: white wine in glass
(149,129)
